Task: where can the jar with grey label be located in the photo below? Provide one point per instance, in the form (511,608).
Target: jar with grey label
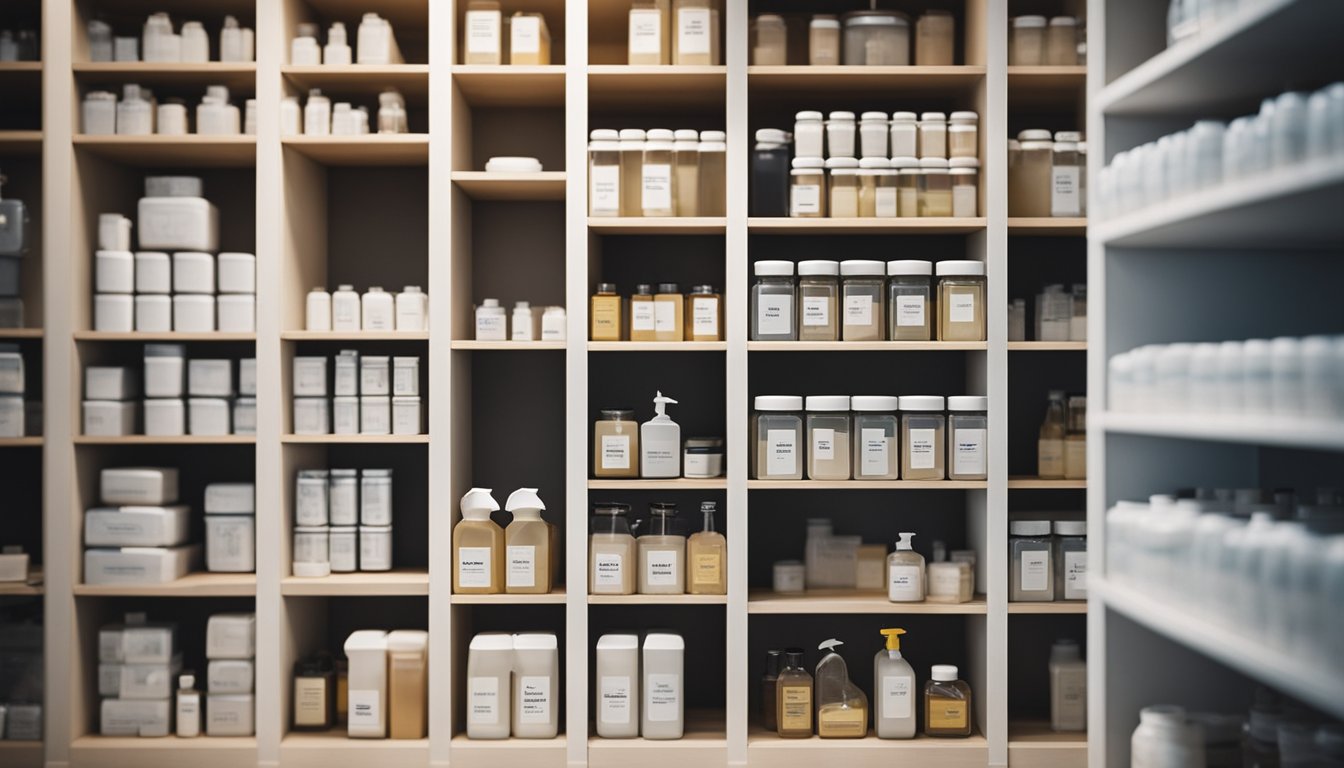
(922,437)
(703,457)
(311,551)
(1031,575)
(909,300)
(375,547)
(968,441)
(343,496)
(344,548)
(862,302)
(876,453)
(310,499)
(777,431)
(375,497)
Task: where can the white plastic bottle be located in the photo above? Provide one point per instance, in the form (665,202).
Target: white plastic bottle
(345,314)
(412,309)
(660,442)
(1165,738)
(617,686)
(553,324)
(894,691)
(291,116)
(491,322)
(905,573)
(536,686)
(133,113)
(489,664)
(523,327)
(195,43)
(1068,687)
(318,310)
(337,49)
(378,310)
(188,707)
(663,714)
(317,114)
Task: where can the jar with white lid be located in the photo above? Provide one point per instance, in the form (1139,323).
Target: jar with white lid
(877,188)
(769,40)
(1026,45)
(310,498)
(935,31)
(631,147)
(770,173)
(875,438)
(965,173)
(904,134)
(907,185)
(1165,738)
(1029,187)
(807,134)
(686,151)
(844,187)
(658,193)
(375,547)
(818,300)
(823,41)
(873,131)
(1066,175)
(1031,575)
(134,114)
(932,134)
(1061,42)
(923,431)
(604,173)
(317,114)
(967,437)
(343,497)
(876,38)
(909,300)
(863,300)
(935,191)
(828,449)
(772,313)
(962,134)
(840,134)
(777,434)
(99,112)
(807,185)
(961,300)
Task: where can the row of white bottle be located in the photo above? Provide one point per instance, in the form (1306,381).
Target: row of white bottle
(527,323)
(513,686)
(376,44)
(138,113)
(161,44)
(320,118)
(345,310)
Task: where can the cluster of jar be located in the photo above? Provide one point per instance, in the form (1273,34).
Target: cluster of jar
(1033,41)
(1241,559)
(663,560)
(1289,131)
(320,118)
(659,172)
(1047,176)
(20,45)
(138,113)
(864,300)
(1188,19)
(1286,377)
(661,313)
(159,43)
(1060,315)
(871,38)
(1047,561)
(862,438)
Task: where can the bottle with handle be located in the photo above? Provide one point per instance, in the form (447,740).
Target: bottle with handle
(893,690)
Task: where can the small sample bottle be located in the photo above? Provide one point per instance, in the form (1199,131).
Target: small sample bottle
(828,430)
(345,314)
(965,174)
(668,306)
(704,314)
(840,133)
(777,434)
(909,300)
(605,316)
(862,292)
(1070,559)
(412,309)
(712,196)
(525,325)
(905,572)
(932,135)
(807,186)
(818,300)
(823,41)
(893,690)
(769,711)
(478,547)
(188,707)
(643,325)
(961,300)
(686,153)
(770,173)
(658,191)
(935,190)
(772,313)
(318,310)
(611,551)
(317,114)
(1050,446)
(631,147)
(908,179)
(1061,42)
(528,543)
(1026,45)
(695,37)
(615,443)
(1029,179)
(660,442)
(967,437)
(1030,567)
(707,557)
(793,693)
(962,134)
(662,553)
(1066,175)
(1075,439)
(874,128)
(337,50)
(922,437)
(492,321)
(604,173)
(1068,687)
(529,39)
(904,134)
(875,437)
(947,704)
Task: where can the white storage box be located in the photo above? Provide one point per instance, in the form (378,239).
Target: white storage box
(405,376)
(165,370)
(114,272)
(237,312)
(345,415)
(245,416)
(193,313)
(129,717)
(139,565)
(237,273)
(231,636)
(346,364)
(153,313)
(193,272)
(210,378)
(139,681)
(375,415)
(136,641)
(312,416)
(109,382)
(11,370)
(229,715)
(165,417)
(152,486)
(178,223)
(137,526)
(230,499)
(310,377)
(12,415)
(13,564)
(107,418)
(174,186)
(247,376)
(153,272)
(367,710)
(25,722)
(230,676)
(230,543)
(113,312)
(375,375)
(209,416)
(406,419)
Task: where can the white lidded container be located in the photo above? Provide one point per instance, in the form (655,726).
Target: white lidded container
(111,383)
(210,377)
(375,547)
(107,418)
(406,419)
(366,710)
(312,416)
(343,547)
(408,686)
(663,714)
(185,223)
(137,526)
(113,312)
(153,313)
(165,417)
(343,494)
(536,686)
(318,310)
(153,272)
(208,416)
(99,113)
(412,309)
(375,415)
(245,416)
(193,313)
(114,232)
(807,134)
(312,558)
(489,666)
(375,497)
(310,376)
(165,370)
(154,486)
(193,272)
(379,312)
(617,683)
(114,271)
(345,315)
(405,376)
(346,364)
(310,498)
(172,119)
(375,375)
(237,312)
(345,415)
(237,273)
(230,543)
(491,321)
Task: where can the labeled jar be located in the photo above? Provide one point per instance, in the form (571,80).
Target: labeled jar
(904,134)
(863,300)
(909,300)
(818,299)
(616,443)
(1029,179)
(875,199)
(631,146)
(828,448)
(807,184)
(344,543)
(702,457)
(770,173)
(934,35)
(712,193)
(1061,42)
(876,38)
(1031,575)
(611,551)
(658,191)
(907,185)
(772,314)
(769,40)
(343,497)
(840,131)
(1066,173)
(311,551)
(963,134)
(605,316)
(604,173)
(1026,44)
(662,552)
(1070,559)
(876,454)
(823,41)
(844,187)
(777,434)
(932,135)
(668,306)
(807,134)
(642,324)
(874,129)
(310,498)
(922,437)
(704,314)
(375,547)
(935,190)
(967,437)
(965,174)
(961,300)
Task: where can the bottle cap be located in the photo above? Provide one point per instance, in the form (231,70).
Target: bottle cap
(186,681)
(944,673)
(524,498)
(903,543)
(773,659)
(793,657)
(478,503)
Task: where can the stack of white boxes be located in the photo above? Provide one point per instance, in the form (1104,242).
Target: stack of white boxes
(230,528)
(21,681)
(374,395)
(140,536)
(137,671)
(210,408)
(230,650)
(11,391)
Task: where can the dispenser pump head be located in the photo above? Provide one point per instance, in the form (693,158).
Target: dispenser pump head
(478,504)
(893,638)
(829,645)
(904,541)
(524,499)
(660,405)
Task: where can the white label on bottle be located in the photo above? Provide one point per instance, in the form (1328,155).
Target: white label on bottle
(526,34)
(823,444)
(664,317)
(775,314)
(490,327)
(662,702)
(606,569)
(484,706)
(903,583)
(886,202)
(646,32)
(662,568)
(781,452)
(858,310)
(873,452)
(473,566)
(615,452)
(968,454)
(363,708)
(605,193)
(642,315)
(661,457)
(922,448)
(657,187)
(693,31)
(816,311)
(961,308)
(705,317)
(522,567)
(909,310)
(534,705)
(1064,198)
(483,31)
(895,697)
(615,692)
(1035,570)
(1075,575)
(804,199)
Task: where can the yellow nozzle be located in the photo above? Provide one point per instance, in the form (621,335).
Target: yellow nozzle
(893,638)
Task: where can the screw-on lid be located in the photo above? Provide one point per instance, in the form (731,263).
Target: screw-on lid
(686,134)
(631,134)
(932,117)
(702,289)
(876,19)
(774,268)
(862,268)
(807,115)
(615,509)
(1069,136)
(1028,527)
(964,116)
(921,402)
(828,402)
(874,162)
(963,163)
(808,162)
(1070,527)
(818,267)
(934,164)
(903,117)
(842,163)
(944,673)
(880,117)
(779,403)
(1063,21)
(711,138)
(968,403)
(669,288)
(885,403)
(793,657)
(1028,21)
(959,267)
(825,21)
(643,289)
(659,134)
(842,115)
(904,162)
(773,660)
(772,136)
(616,414)
(606,287)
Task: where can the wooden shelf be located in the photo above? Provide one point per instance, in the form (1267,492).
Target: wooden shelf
(21,754)
(492,753)
(192,585)
(177,336)
(398,582)
(31,586)
(848,601)
(21,333)
(371,149)
(169,752)
(20,442)
(481,185)
(1059,607)
(354,439)
(507,346)
(1033,743)
(670,484)
(657,87)
(669,225)
(657,346)
(1039,484)
(1060,86)
(867,346)
(166,440)
(412,80)
(354,336)
(240,77)
(20,142)
(847,226)
(555,597)
(847,81)
(703,743)
(768,748)
(1048,226)
(1047,346)
(12,67)
(868,485)
(657,599)
(157,151)
(510,86)
(324,749)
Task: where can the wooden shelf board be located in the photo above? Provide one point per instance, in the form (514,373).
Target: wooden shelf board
(869,752)
(657,346)
(21,754)
(21,333)
(239,76)
(669,484)
(353,439)
(1039,484)
(849,226)
(1048,226)
(1033,743)
(829,601)
(657,599)
(371,149)
(354,335)
(20,142)
(412,80)
(192,585)
(555,597)
(867,346)
(324,749)
(20,442)
(703,743)
(11,67)
(1056,86)
(1047,346)
(868,485)
(492,753)
(837,81)
(659,87)
(166,440)
(669,225)
(507,346)
(157,151)
(402,581)
(511,86)
(480,185)
(1056,608)
(179,336)
(170,752)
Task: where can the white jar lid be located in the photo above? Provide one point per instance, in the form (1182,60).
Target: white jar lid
(818,267)
(658,145)
(944,673)
(713,136)
(963,162)
(874,162)
(957,267)
(772,136)
(1070,527)
(312,570)
(841,162)
(932,117)
(1074,136)
(921,402)
(842,115)
(862,267)
(660,134)
(632,134)
(604,134)
(513,165)
(774,268)
(909,267)
(1029,528)
(807,115)
(1063,21)
(825,22)
(779,403)
(686,134)
(968,403)
(903,117)
(933,163)
(905,162)
(1033,134)
(808,162)
(831,403)
(1028,21)
(874,403)
(964,116)
(878,116)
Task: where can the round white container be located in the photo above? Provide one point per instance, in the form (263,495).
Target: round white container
(375,547)
(344,496)
(318,310)
(375,497)
(311,551)
(344,548)
(310,498)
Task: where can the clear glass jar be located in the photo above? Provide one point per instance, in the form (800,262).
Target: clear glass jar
(877,38)
(963,134)
(616,443)
(712,197)
(604,173)
(840,133)
(823,41)
(923,437)
(807,187)
(1026,44)
(1029,187)
(1030,575)
(828,449)
(695,33)
(772,314)
(818,300)
(1070,559)
(904,134)
(658,195)
(968,437)
(863,300)
(965,173)
(876,453)
(871,170)
(769,40)
(632,161)
(935,190)
(932,135)
(1061,42)
(704,314)
(808,129)
(844,187)
(686,151)
(907,186)
(777,437)
(961,300)
(934,35)
(885,201)
(909,300)
(662,552)
(1066,176)
(612,559)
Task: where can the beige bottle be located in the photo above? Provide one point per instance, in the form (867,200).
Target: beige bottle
(707,557)
(478,547)
(1050,447)
(1075,442)
(793,697)
(527,545)
(662,552)
(611,551)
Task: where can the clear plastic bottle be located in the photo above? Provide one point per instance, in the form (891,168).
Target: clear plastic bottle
(612,559)
(686,150)
(712,197)
(1050,446)
(658,192)
(1068,687)
(875,432)
(1075,441)
(893,690)
(707,556)
(391,112)
(967,438)
(662,552)
(604,173)
(777,437)
(828,435)
(529,542)
(772,310)
(905,572)
(632,161)
(819,300)
(769,40)
(923,437)
(1031,568)
(909,300)
(842,708)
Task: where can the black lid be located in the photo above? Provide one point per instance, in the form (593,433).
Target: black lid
(793,657)
(610,508)
(616,414)
(606,287)
(669,288)
(773,660)
(668,508)
(702,289)
(643,289)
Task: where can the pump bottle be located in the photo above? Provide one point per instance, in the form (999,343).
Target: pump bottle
(478,547)
(893,690)
(528,544)
(905,573)
(660,442)
(188,707)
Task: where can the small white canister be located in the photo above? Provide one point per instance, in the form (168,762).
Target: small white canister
(375,548)
(344,547)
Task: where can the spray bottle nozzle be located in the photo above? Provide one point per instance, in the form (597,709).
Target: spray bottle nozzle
(660,404)
(829,645)
(904,541)
(893,638)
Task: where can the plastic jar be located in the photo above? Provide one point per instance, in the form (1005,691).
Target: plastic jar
(772,314)
(873,131)
(962,134)
(1030,572)
(819,299)
(604,173)
(1165,739)
(616,443)
(932,134)
(863,300)
(807,134)
(934,34)
(844,187)
(1070,559)
(344,543)
(807,183)
(777,434)
(909,300)
(375,547)
(769,40)
(1030,194)
(968,437)
(922,437)
(658,196)
(961,300)
(1026,46)
(965,173)
(935,190)
(840,131)
(1061,42)
(828,449)
(885,197)
(907,186)
(872,170)
(874,436)
(1066,175)
(823,41)
(311,551)
(904,134)
(770,173)
(877,38)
